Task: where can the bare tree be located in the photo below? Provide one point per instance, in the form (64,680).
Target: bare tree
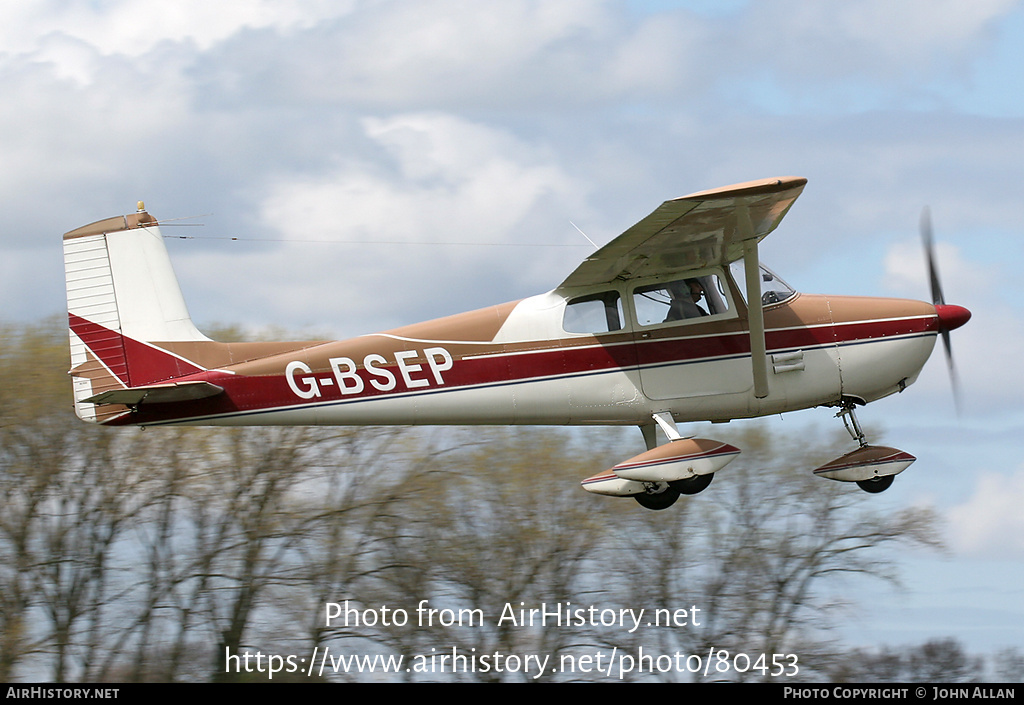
(1008,665)
(934,661)
(501,526)
(31,453)
(69,495)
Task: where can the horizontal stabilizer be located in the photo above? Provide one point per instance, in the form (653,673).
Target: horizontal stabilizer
(157,393)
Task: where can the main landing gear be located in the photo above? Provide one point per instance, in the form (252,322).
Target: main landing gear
(682,466)
(656,478)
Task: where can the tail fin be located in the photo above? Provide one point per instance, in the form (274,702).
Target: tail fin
(122,298)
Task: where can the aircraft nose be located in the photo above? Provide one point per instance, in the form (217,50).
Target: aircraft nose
(951,317)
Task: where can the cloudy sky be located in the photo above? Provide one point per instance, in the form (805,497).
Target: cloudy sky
(383,162)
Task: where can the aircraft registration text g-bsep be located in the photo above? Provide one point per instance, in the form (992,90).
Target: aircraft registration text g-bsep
(349,381)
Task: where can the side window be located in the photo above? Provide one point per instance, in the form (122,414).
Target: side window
(595,313)
(680,300)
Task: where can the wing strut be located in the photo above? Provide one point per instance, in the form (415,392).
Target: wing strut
(755,312)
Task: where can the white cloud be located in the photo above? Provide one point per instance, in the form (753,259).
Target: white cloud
(451,180)
(834,38)
(440,179)
(564,110)
(906,273)
(991,523)
(455,54)
(62,138)
(134,27)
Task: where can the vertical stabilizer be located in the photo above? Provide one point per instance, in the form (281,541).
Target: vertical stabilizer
(123,298)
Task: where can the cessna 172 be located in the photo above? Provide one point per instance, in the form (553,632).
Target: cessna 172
(673,321)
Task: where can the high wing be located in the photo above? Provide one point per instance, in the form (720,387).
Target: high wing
(692,232)
(703,229)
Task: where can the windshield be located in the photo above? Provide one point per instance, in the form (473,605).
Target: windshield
(773,289)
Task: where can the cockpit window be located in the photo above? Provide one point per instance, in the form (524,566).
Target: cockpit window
(773,289)
(595,313)
(680,300)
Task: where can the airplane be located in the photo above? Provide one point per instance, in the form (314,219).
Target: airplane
(674,321)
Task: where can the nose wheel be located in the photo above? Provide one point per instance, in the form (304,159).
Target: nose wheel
(876,484)
(871,467)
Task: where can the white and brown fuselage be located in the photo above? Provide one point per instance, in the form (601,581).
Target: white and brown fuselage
(513,364)
(137,358)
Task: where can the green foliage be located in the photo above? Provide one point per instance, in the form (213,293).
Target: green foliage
(33,372)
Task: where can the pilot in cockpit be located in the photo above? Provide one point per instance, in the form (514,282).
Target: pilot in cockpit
(685,294)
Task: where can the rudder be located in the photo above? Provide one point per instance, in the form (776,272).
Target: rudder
(122,296)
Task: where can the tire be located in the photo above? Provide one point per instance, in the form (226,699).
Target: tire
(692,485)
(876,484)
(662,500)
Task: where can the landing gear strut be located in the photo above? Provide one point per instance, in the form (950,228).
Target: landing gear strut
(849,417)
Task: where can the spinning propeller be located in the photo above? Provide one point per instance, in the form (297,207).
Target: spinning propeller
(950,316)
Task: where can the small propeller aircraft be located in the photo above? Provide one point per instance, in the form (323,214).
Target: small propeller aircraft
(675,320)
